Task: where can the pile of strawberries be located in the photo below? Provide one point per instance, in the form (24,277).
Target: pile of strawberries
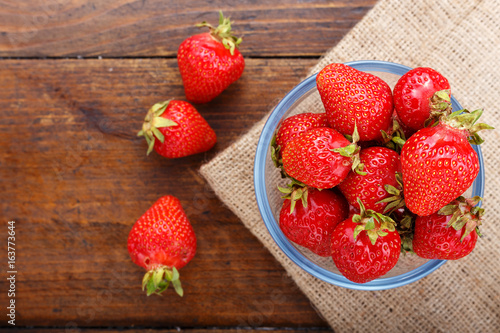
(380,172)
(163,240)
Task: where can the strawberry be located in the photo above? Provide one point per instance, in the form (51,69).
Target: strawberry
(291,128)
(420,95)
(310,221)
(294,126)
(365,246)
(354,98)
(320,158)
(210,62)
(449,234)
(439,164)
(162,241)
(176,129)
(380,167)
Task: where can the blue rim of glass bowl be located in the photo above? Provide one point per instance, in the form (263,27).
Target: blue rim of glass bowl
(268,217)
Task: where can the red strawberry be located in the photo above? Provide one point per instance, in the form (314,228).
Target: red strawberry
(380,168)
(176,129)
(162,241)
(210,62)
(365,246)
(439,164)
(449,234)
(295,125)
(420,94)
(319,158)
(310,222)
(352,97)
(291,128)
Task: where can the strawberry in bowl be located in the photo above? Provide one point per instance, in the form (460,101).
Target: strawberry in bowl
(376,176)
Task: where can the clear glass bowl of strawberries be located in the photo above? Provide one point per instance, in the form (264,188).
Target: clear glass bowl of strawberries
(369,175)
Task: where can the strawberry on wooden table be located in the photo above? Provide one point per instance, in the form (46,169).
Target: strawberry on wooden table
(354,98)
(420,96)
(176,129)
(451,233)
(365,246)
(162,241)
(309,218)
(209,62)
(439,164)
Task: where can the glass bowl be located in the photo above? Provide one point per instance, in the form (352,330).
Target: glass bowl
(305,98)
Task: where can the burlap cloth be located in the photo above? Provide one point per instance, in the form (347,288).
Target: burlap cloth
(460,39)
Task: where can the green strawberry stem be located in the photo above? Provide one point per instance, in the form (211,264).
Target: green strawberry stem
(276,157)
(293,192)
(405,230)
(375,224)
(275,152)
(397,200)
(223,33)
(466,120)
(152,122)
(158,279)
(396,138)
(465,213)
(440,105)
(352,151)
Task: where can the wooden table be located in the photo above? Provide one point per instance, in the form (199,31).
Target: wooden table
(76,79)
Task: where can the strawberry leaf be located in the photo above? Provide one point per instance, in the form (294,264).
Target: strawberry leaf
(157,280)
(178,287)
(162,286)
(346,151)
(157,277)
(448,209)
(305,193)
(146,278)
(160,122)
(373,236)
(398,140)
(151,144)
(223,33)
(362,209)
(443,95)
(150,287)
(382,233)
(285,190)
(159,135)
(392,190)
(175,274)
(370,224)
(357,230)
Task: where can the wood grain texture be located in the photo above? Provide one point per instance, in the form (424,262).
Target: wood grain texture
(75,178)
(142,28)
(171,330)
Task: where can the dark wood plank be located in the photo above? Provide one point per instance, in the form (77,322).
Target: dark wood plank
(75,178)
(156,330)
(139,28)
